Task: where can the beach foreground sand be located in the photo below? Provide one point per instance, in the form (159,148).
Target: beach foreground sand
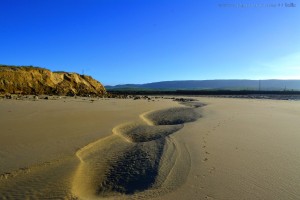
(138,149)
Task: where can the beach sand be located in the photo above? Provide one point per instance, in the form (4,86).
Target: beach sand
(138,149)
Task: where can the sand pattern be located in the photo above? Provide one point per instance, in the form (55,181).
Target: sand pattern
(139,160)
(240,149)
(32,183)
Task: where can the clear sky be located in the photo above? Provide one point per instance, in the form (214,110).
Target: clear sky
(141,41)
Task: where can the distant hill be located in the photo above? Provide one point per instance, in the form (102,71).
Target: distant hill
(213,85)
(35,80)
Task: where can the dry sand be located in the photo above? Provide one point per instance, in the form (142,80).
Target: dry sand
(124,149)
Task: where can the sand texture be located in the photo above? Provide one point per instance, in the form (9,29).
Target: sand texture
(212,148)
(139,157)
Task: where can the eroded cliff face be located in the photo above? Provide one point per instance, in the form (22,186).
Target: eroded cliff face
(33,80)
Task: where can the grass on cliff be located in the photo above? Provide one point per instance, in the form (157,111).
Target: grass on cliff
(16,67)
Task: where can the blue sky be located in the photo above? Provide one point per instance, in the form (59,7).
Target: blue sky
(134,41)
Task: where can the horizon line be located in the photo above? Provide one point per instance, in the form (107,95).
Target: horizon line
(270,79)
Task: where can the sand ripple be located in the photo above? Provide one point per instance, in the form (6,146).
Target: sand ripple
(135,132)
(140,159)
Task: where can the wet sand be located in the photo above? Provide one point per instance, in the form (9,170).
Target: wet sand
(125,149)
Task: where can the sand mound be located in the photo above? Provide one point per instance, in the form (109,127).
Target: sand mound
(193,104)
(172,116)
(135,132)
(140,159)
(135,170)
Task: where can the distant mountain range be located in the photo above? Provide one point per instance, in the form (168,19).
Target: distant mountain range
(235,84)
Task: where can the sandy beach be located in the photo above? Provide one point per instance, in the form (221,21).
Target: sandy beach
(67,148)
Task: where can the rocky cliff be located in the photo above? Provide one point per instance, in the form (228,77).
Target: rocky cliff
(34,80)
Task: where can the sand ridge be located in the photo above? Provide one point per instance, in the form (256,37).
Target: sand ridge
(132,131)
(39,139)
(140,159)
(240,149)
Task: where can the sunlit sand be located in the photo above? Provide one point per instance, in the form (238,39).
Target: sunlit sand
(211,148)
